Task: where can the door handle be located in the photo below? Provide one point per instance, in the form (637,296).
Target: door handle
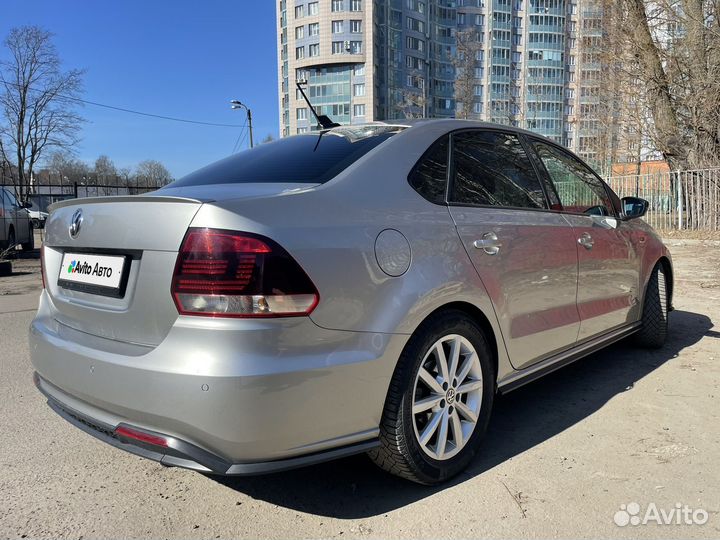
(586,241)
(489,243)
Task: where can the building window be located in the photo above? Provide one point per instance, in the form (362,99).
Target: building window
(301,113)
(416,5)
(355,5)
(314,49)
(359,109)
(299,53)
(337,47)
(356,47)
(302,130)
(359,90)
(415,43)
(299,32)
(359,70)
(355,26)
(415,24)
(337,5)
(337,27)
(313,8)
(299,12)
(314,29)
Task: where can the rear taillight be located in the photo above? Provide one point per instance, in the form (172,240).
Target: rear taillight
(42,264)
(229,274)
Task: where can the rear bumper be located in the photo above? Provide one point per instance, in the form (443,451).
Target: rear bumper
(239,396)
(180,453)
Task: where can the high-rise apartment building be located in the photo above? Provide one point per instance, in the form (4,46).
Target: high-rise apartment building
(530,63)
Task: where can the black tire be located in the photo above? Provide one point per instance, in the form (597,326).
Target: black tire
(36,223)
(653,331)
(400,452)
(30,244)
(10,243)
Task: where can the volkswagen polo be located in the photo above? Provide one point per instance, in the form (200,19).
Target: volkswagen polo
(358,289)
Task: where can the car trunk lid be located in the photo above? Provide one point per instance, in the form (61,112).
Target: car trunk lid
(145,232)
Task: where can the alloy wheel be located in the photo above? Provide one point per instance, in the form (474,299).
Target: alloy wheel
(447,397)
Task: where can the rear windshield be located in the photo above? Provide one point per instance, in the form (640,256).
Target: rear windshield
(305,159)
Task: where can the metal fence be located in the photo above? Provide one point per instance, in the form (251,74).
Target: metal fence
(680,200)
(57,189)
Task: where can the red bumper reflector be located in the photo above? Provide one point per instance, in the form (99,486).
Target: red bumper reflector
(131,433)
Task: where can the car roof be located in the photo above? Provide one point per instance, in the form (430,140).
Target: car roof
(450,124)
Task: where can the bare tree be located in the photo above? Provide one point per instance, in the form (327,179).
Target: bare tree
(676,45)
(37,101)
(152,173)
(464,63)
(65,166)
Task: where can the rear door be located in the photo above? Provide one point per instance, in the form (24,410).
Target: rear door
(524,253)
(608,271)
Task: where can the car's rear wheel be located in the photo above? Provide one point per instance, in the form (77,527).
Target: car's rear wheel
(653,331)
(439,402)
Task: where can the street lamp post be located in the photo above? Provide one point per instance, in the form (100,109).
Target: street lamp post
(235,104)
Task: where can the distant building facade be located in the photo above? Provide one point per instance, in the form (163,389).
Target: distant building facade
(535,64)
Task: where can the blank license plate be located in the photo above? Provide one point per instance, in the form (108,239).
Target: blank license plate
(100,274)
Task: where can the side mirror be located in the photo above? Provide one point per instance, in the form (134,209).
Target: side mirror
(634,207)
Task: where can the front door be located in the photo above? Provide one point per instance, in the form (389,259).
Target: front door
(608,270)
(524,254)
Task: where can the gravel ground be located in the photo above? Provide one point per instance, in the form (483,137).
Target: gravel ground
(562,455)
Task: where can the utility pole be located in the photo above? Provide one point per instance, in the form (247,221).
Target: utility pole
(235,104)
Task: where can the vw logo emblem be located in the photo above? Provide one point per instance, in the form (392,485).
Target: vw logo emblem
(76,223)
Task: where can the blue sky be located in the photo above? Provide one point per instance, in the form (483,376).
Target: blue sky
(177,58)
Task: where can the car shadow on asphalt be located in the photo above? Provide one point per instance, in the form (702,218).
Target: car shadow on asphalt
(354,488)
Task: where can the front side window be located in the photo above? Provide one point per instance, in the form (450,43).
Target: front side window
(579,190)
(491,168)
(429,176)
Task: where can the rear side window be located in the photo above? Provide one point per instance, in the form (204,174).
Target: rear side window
(429,176)
(312,158)
(491,168)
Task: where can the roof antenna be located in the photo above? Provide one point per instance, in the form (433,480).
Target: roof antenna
(323,121)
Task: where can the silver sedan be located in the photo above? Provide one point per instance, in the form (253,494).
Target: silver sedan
(360,289)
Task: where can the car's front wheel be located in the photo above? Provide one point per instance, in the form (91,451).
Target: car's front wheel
(653,332)
(439,402)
